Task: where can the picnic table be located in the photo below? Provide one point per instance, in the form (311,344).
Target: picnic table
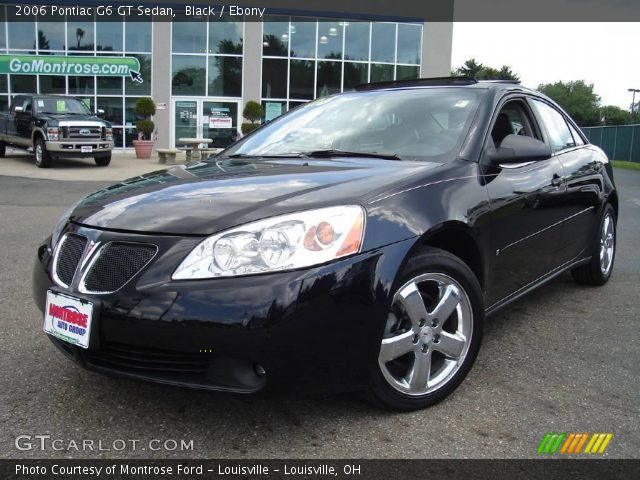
(192,148)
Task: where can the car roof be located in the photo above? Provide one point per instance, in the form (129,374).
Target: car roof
(419,83)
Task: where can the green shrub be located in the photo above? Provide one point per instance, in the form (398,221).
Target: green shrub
(249,127)
(253,111)
(145,107)
(145,129)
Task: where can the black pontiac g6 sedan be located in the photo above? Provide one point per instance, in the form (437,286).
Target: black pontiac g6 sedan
(356,242)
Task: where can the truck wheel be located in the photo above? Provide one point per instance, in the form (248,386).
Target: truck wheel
(43,159)
(103,161)
(3,149)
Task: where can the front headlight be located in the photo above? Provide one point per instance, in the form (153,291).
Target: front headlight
(53,134)
(279,243)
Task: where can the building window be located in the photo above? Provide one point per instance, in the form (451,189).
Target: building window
(80,36)
(304,59)
(188,75)
(207,58)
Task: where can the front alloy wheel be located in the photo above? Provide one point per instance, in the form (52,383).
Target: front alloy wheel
(428,336)
(432,334)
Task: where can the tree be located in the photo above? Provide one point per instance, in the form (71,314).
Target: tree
(253,112)
(577,98)
(474,69)
(79,36)
(612,115)
(145,107)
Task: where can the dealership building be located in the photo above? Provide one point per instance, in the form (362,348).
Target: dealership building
(201,71)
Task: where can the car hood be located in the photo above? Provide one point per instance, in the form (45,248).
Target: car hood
(216,194)
(65,117)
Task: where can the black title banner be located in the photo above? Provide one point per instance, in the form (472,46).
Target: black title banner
(400,10)
(318,469)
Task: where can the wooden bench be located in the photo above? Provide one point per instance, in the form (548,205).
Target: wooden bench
(167,155)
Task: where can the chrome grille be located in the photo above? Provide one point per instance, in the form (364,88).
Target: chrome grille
(69,255)
(93,132)
(115,264)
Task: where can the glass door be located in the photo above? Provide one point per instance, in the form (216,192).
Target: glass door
(201,118)
(185,120)
(220,122)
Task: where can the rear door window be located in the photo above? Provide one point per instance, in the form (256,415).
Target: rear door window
(560,137)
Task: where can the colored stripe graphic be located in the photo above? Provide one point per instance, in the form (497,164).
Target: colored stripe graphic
(572,443)
(551,442)
(598,443)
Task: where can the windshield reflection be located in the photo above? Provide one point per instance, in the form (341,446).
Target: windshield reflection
(411,124)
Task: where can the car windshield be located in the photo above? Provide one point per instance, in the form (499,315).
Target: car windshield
(424,124)
(61,105)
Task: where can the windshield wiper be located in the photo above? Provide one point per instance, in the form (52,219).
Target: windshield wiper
(258,155)
(343,153)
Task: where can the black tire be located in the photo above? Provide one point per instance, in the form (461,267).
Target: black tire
(433,261)
(3,149)
(103,161)
(592,273)
(43,158)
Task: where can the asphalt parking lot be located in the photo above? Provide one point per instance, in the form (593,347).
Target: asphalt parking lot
(565,359)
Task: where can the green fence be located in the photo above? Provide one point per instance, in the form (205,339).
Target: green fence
(619,143)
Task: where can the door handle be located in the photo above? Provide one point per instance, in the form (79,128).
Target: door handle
(556,181)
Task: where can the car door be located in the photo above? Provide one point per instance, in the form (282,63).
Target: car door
(525,207)
(23,121)
(583,178)
(12,119)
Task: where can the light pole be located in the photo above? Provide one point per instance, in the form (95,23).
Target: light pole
(633,101)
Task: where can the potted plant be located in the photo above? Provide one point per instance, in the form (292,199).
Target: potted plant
(253,112)
(145,108)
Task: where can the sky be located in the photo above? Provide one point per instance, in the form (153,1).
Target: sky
(605,54)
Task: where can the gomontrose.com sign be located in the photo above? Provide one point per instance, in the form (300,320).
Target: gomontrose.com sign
(80,66)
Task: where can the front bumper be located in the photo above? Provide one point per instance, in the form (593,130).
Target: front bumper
(318,328)
(73,148)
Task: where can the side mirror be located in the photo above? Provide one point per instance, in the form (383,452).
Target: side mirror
(520,149)
(100,112)
(18,110)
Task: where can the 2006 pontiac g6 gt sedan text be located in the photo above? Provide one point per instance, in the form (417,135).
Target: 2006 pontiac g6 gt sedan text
(355,243)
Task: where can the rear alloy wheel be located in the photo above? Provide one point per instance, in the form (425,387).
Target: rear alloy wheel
(43,159)
(598,271)
(432,334)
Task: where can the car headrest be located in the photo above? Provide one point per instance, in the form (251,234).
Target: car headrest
(501,129)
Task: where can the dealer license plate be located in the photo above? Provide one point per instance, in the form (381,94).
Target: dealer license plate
(68,318)
(86,149)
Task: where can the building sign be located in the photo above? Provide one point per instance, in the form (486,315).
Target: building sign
(272,110)
(76,66)
(220,118)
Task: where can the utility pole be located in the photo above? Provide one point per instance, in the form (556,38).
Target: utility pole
(633,101)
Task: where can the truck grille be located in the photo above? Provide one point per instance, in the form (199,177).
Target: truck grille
(116,264)
(83,132)
(69,255)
